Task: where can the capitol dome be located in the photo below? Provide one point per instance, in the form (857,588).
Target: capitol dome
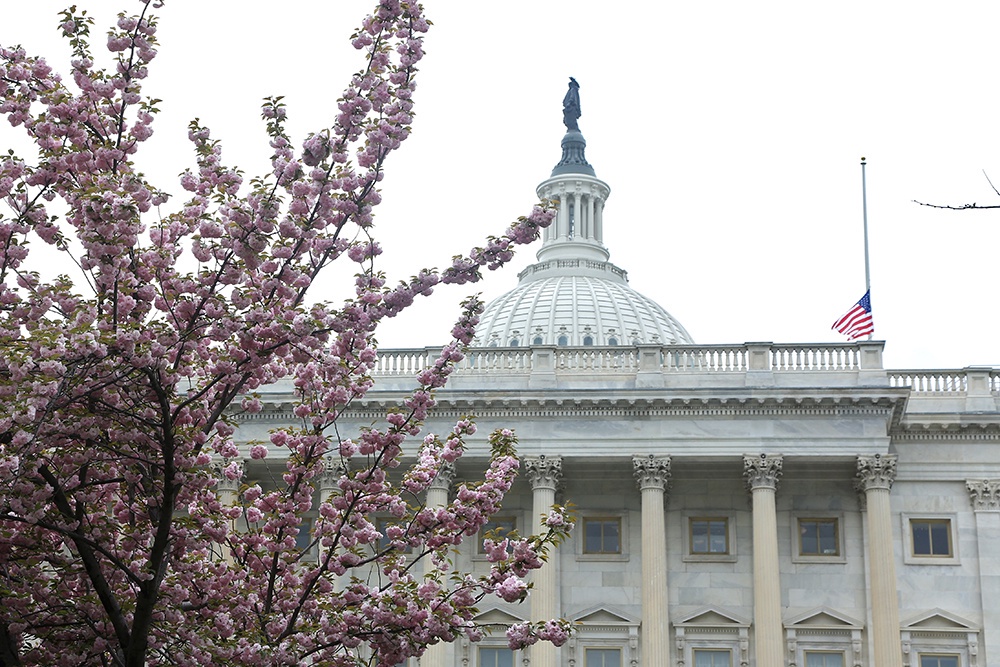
(574,295)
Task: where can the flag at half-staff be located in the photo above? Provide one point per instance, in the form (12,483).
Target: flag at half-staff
(857,322)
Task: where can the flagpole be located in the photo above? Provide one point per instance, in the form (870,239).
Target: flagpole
(864,210)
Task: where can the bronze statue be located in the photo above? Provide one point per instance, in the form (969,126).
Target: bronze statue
(571,106)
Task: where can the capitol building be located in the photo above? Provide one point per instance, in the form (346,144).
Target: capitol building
(751,504)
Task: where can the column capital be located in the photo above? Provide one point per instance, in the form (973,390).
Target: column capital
(445,476)
(543,472)
(876,472)
(762,471)
(329,476)
(984,494)
(651,471)
(228,482)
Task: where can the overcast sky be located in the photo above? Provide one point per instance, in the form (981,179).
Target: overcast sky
(730,134)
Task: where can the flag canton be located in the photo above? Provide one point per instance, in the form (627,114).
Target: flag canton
(866,302)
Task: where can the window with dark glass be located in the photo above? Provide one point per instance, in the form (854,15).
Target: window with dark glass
(709,535)
(931,537)
(824,659)
(602,536)
(819,537)
(712,658)
(495,657)
(938,660)
(603,657)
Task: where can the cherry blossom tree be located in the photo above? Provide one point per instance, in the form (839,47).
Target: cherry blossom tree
(128,534)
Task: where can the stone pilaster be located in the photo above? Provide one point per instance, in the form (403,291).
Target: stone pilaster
(652,474)
(762,473)
(328,480)
(985,497)
(442,653)
(875,477)
(228,490)
(544,473)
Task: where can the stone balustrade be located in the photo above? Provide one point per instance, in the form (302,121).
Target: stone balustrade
(760,364)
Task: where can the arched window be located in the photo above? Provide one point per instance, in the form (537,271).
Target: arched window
(612,341)
(514,342)
(537,341)
(563,341)
(588,340)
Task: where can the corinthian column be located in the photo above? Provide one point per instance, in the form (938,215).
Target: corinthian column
(985,496)
(875,477)
(544,474)
(762,473)
(440,654)
(652,473)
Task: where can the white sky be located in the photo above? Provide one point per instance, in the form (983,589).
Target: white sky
(730,134)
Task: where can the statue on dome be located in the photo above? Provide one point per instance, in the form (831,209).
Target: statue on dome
(571,106)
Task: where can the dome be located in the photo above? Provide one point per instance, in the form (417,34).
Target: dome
(577,309)
(574,295)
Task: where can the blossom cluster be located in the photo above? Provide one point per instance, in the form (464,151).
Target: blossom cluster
(129,534)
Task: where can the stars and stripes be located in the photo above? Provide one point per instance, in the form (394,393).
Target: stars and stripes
(857,322)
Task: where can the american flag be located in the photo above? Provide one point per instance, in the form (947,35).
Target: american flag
(857,322)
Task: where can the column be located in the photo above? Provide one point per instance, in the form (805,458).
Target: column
(985,496)
(577,215)
(544,473)
(228,492)
(875,477)
(762,473)
(440,654)
(652,474)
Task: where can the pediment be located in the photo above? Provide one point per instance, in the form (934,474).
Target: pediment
(712,616)
(497,617)
(939,619)
(603,616)
(823,617)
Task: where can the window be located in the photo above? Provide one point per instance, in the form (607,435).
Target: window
(563,341)
(931,537)
(588,340)
(514,342)
(603,657)
(709,535)
(824,659)
(612,341)
(927,660)
(537,340)
(495,657)
(819,537)
(496,529)
(712,658)
(602,535)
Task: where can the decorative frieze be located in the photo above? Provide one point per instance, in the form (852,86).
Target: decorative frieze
(651,471)
(984,494)
(543,471)
(876,472)
(762,472)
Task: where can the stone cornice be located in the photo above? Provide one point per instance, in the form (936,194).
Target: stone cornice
(517,405)
(762,471)
(947,429)
(651,471)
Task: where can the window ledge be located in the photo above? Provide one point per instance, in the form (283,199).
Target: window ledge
(710,558)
